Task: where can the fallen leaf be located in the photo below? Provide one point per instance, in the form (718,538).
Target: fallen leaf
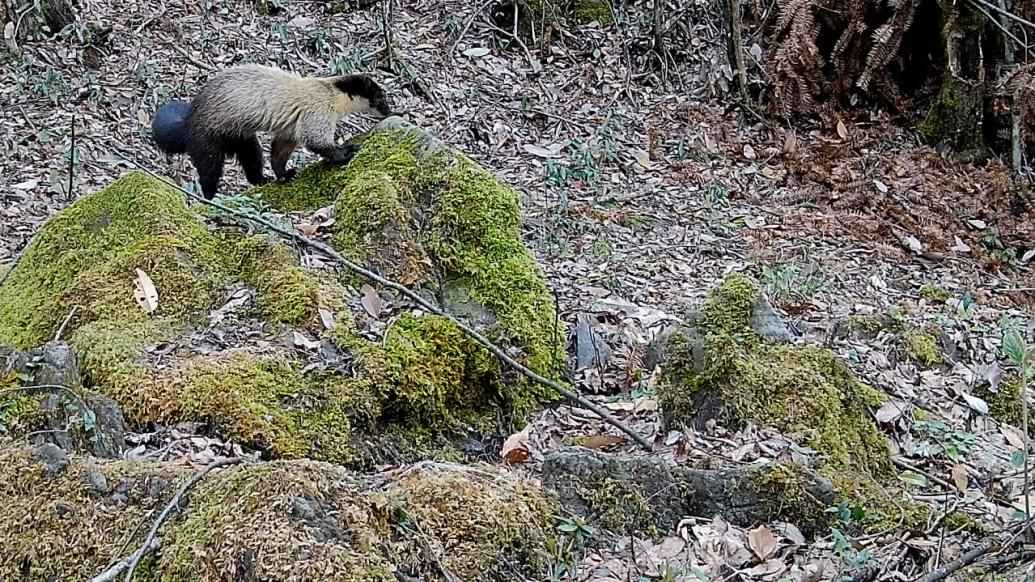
(669,548)
(600,441)
(790,144)
(767,568)
(913,243)
(371,300)
(762,542)
(912,478)
(1028,256)
(515,448)
(976,403)
(891,411)
(960,477)
(301,341)
(541,151)
(26,185)
(1013,435)
(145,293)
(881,186)
(642,158)
(476,52)
(978,224)
(960,246)
(326,318)
(749,152)
(842,131)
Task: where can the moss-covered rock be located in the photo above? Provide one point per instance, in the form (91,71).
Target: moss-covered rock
(921,347)
(405,205)
(298,520)
(720,369)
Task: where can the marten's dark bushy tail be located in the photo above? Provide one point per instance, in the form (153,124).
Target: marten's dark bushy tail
(169,127)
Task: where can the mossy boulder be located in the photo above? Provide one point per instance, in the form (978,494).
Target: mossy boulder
(636,494)
(69,518)
(344,385)
(718,368)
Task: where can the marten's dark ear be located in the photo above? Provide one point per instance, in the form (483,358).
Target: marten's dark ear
(363,87)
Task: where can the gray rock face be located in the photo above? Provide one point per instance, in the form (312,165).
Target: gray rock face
(638,493)
(93,424)
(54,364)
(591,351)
(53,459)
(77,420)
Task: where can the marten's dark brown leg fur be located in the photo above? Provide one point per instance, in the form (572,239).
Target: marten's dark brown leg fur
(249,155)
(280,153)
(208,159)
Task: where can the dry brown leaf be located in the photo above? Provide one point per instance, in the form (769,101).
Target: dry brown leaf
(669,548)
(515,448)
(371,300)
(762,542)
(1013,435)
(600,441)
(790,145)
(842,131)
(145,293)
(960,477)
(891,411)
(642,158)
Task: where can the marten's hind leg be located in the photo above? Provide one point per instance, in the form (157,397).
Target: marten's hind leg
(280,153)
(208,158)
(249,155)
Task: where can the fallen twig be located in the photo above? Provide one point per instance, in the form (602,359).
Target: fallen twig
(416,298)
(151,543)
(467,26)
(963,561)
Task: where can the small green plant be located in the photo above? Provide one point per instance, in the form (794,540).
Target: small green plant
(144,73)
(51,85)
(717,195)
(451,24)
(343,65)
(941,439)
(280,32)
(571,541)
(1021,354)
(318,43)
(792,283)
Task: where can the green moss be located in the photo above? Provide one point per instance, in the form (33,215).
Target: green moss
(728,308)
(287,294)
(593,11)
(468,237)
(73,529)
(489,524)
(806,392)
(934,293)
(786,488)
(86,256)
(1005,403)
(922,347)
(213,538)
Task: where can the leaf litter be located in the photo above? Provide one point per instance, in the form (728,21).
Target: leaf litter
(677,192)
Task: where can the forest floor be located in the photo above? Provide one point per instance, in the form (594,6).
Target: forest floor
(638,197)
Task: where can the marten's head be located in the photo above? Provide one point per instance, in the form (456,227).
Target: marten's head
(365,95)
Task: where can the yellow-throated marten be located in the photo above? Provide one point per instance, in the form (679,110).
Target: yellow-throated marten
(235,104)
